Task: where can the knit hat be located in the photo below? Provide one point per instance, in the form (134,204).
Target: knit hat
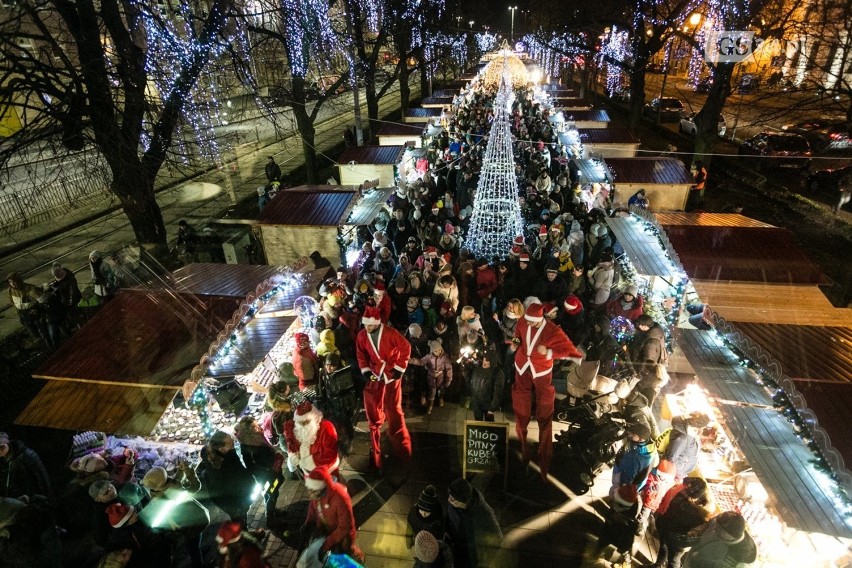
(666,468)
(372,316)
(694,487)
(229,533)
(9,508)
(434,345)
(598,230)
(572,305)
(155,479)
(449,229)
(318,479)
(428,500)
(119,514)
(639,430)
(552,265)
(534,313)
(524,257)
(414,330)
(99,488)
(625,496)
(426,547)
(380,287)
(732,523)
(632,290)
(461,490)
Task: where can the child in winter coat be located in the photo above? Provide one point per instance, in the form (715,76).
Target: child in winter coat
(439,373)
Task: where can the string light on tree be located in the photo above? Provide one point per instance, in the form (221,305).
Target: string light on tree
(614,52)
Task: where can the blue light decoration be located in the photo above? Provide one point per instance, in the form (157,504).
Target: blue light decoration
(622,330)
(615,48)
(199,401)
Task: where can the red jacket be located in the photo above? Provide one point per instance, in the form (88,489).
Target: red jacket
(549,335)
(322,453)
(391,352)
(486,281)
(614,308)
(332,514)
(385,308)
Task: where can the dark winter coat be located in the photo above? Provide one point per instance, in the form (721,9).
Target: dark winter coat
(229,486)
(486,387)
(434,524)
(473,532)
(601,346)
(553,291)
(681,516)
(649,346)
(22,473)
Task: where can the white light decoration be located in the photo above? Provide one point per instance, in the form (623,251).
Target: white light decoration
(496,217)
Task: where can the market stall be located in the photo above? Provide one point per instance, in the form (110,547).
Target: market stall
(392,134)
(569,104)
(436,101)
(359,163)
(587,119)
(422,116)
(599,143)
(666,181)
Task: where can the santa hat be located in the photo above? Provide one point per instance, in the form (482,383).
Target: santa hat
(449,229)
(625,496)
(435,208)
(379,287)
(306,409)
(515,250)
(525,257)
(300,336)
(318,479)
(519,240)
(542,231)
(547,308)
(431,252)
(534,313)
(229,533)
(118,514)
(572,305)
(372,316)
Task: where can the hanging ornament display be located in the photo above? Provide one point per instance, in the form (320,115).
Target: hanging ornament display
(507,64)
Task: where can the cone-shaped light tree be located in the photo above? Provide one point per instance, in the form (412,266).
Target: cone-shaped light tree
(496,217)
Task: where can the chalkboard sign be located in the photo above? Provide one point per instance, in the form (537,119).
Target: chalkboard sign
(485,446)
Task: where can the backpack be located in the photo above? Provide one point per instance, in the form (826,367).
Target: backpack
(662,441)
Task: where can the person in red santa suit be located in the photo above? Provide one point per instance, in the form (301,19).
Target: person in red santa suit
(305,362)
(383,355)
(330,517)
(311,441)
(383,302)
(538,342)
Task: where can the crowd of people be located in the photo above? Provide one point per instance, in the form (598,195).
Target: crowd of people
(415,321)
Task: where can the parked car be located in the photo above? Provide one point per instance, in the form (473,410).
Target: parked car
(669,109)
(778,150)
(823,133)
(828,181)
(687,124)
(703,85)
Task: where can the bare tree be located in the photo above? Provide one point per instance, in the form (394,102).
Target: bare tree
(84,76)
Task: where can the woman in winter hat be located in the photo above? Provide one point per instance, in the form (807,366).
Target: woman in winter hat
(426,515)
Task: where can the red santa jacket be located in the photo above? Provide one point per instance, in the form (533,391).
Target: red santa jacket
(332,514)
(301,359)
(550,336)
(391,352)
(323,452)
(385,308)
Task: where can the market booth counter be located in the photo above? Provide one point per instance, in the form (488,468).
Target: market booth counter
(359,163)
(600,143)
(422,115)
(391,134)
(666,181)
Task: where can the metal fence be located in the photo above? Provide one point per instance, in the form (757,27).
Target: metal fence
(22,208)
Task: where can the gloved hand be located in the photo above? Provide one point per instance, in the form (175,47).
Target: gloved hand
(368,376)
(395,375)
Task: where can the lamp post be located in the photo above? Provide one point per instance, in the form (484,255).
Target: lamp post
(512,33)
(470,23)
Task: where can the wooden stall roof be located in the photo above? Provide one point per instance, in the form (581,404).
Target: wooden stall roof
(607,136)
(830,402)
(267,327)
(559,91)
(367,209)
(741,253)
(442,93)
(669,218)
(568,102)
(586,115)
(421,112)
(592,171)
(394,129)
(372,155)
(758,302)
(436,100)
(780,460)
(227,280)
(141,338)
(805,352)
(98,408)
(644,249)
(666,171)
(318,208)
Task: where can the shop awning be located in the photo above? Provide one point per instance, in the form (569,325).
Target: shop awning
(100,408)
(367,209)
(781,461)
(671,218)
(642,246)
(317,206)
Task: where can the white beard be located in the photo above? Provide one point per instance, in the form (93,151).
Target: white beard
(306,435)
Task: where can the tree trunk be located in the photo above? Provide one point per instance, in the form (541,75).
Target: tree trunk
(404,88)
(707,119)
(584,80)
(424,79)
(637,96)
(135,189)
(372,100)
(307,132)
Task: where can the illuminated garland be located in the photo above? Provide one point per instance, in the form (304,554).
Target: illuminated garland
(614,52)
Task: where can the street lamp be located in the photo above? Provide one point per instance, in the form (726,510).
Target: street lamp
(458,21)
(695,19)
(512,34)
(471,24)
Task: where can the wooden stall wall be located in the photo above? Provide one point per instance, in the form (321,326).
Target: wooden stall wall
(285,245)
